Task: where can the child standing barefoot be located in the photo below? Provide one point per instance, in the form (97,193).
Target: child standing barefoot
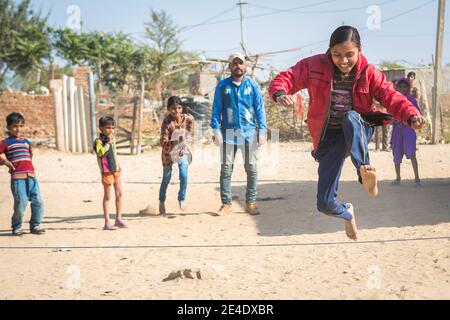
(341,86)
(404,138)
(105,149)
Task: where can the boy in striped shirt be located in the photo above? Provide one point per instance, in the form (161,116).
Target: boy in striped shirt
(24,185)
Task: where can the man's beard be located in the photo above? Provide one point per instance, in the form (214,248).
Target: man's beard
(237,73)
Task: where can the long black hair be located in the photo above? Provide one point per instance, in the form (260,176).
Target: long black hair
(344,34)
(173,101)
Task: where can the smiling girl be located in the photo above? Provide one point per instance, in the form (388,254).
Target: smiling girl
(342,85)
(177,130)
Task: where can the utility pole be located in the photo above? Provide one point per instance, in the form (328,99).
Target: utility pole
(241,10)
(141,115)
(436,135)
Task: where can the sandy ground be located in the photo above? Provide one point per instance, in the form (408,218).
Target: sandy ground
(289,251)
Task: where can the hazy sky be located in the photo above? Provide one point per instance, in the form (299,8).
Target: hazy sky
(406,32)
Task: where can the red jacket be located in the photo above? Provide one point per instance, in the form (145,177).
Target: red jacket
(315,74)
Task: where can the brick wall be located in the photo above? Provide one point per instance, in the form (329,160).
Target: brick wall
(38,111)
(80,75)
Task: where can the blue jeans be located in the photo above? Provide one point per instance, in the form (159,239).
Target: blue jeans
(24,191)
(183,166)
(352,140)
(228,154)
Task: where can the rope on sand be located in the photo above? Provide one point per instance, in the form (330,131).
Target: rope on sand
(226,245)
(159,182)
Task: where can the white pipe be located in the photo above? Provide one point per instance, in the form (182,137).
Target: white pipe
(72,133)
(65,113)
(77,122)
(84,133)
(56,87)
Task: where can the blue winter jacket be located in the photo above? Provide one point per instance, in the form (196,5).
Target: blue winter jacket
(238,110)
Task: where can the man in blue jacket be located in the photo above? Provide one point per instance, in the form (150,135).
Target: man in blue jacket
(239,122)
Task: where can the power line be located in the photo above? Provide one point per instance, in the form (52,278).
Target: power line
(277,10)
(256,16)
(294,10)
(398,35)
(406,12)
(223,50)
(186,28)
(385,20)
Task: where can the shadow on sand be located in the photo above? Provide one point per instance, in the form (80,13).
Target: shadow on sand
(290,208)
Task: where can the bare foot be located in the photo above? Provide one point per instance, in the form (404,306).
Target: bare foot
(350,225)
(369,179)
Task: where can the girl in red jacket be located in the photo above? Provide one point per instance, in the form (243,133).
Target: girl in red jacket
(342,85)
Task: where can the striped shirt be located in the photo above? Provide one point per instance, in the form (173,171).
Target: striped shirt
(18,152)
(341,98)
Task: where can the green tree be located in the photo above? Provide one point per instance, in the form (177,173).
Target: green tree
(24,37)
(31,48)
(71,46)
(164,36)
(110,54)
(120,67)
(389,65)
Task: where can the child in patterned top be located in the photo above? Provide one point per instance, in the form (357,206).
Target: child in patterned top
(176,132)
(24,185)
(105,148)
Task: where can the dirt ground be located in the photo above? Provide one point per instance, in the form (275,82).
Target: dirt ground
(289,251)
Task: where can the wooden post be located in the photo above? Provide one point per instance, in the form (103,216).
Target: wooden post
(116,111)
(56,86)
(141,113)
(424,100)
(133,127)
(436,135)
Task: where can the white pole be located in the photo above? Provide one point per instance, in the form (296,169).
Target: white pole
(72,133)
(84,134)
(78,122)
(56,86)
(65,113)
